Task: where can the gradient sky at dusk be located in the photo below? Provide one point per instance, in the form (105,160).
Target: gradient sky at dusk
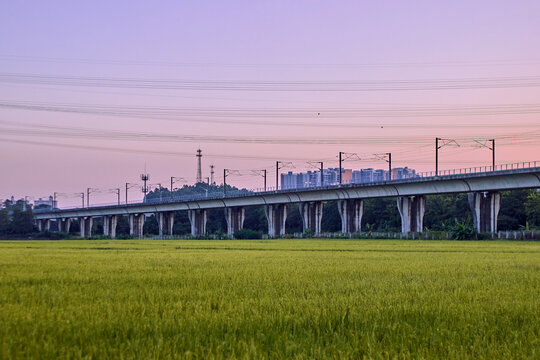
(406,44)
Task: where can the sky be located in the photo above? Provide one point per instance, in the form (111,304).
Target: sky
(94,93)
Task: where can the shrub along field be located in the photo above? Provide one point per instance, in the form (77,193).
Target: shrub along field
(269,299)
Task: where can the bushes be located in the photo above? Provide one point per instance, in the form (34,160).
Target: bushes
(51,235)
(247,234)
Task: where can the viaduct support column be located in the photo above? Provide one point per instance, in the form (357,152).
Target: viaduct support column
(276,215)
(311,213)
(106,225)
(40,225)
(64,225)
(235,219)
(112,223)
(198,218)
(136,225)
(485,208)
(109,225)
(412,209)
(86,226)
(171,223)
(351,212)
(165,222)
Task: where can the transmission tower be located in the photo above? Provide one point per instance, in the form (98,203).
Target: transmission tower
(145,177)
(199,172)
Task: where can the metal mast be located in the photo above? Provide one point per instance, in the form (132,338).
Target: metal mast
(199,171)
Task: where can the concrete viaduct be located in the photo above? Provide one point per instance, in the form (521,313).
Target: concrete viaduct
(483,190)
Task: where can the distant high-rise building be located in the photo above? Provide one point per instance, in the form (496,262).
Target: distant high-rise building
(331,177)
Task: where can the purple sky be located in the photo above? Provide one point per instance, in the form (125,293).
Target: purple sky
(415,42)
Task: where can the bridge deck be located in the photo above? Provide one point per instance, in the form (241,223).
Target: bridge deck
(459,183)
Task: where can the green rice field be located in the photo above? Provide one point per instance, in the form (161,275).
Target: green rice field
(258,299)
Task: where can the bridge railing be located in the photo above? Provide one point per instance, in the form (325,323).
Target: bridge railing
(273,190)
(481,169)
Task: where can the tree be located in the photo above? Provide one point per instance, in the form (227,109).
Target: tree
(293,224)
(382,214)
(512,214)
(532,208)
(151,225)
(255,219)
(331,221)
(22,222)
(443,210)
(4,222)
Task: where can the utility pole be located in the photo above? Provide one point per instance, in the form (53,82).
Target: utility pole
(437,147)
(82,198)
(117,191)
(129,186)
(277,175)
(437,156)
(173,180)
(388,160)
(389,166)
(340,167)
(260,173)
(224,181)
(322,173)
(87,197)
(482,143)
(493,153)
(283,164)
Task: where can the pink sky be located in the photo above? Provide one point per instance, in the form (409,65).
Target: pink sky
(412,43)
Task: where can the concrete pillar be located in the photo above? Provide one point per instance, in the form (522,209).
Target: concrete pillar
(171,223)
(276,215)
(112,223)
(198,218)
(412,209)
(485,207)
(64,225)
(40,225)
(165,222)
(311,213)
(81,226)
(136,225)
(351,212)
(109,225)
(86,226)
(48,225)
(235,219)
(106,225)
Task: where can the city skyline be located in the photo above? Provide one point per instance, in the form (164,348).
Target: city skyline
(87,106)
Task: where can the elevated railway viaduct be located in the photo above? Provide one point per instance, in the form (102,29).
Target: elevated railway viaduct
(483,189)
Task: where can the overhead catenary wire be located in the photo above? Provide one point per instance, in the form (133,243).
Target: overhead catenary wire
(269,86)
(118,62)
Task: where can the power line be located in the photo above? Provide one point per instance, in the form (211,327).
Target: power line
(299,85)
(231,115)
(483,62)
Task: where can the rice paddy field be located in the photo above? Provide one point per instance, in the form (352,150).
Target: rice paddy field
(305,299)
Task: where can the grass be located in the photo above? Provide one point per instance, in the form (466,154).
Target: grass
(269,299)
